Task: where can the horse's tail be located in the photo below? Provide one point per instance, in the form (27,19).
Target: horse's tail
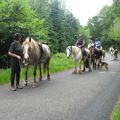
(44,67)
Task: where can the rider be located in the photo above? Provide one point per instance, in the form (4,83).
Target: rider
(97,44)
(81,44)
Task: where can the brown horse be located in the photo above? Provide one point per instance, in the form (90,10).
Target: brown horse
(35,53)
(96,57)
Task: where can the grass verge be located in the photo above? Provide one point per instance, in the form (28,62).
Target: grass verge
(59,62)
(116,112)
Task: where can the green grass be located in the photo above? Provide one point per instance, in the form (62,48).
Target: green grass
(116,112)
(4,76)
(59,62)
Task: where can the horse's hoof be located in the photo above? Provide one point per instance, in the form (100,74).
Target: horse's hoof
(90,70)
(48,78)
(79,72)
(83,70)
(40,79)
(34,85)
(24,84)
(74,72)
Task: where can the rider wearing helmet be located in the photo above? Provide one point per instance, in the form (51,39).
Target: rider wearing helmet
(97,44)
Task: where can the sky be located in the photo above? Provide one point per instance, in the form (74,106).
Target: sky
(85,9)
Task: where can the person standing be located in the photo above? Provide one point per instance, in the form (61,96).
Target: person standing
(15,51)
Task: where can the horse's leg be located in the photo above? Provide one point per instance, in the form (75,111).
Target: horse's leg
(92,62)
(89,64)
(116,56)
(34,74)
(48,74)
(98,61)
(26,75)
(40,73)
(95,65)
(79,71)
(104,55)
(75,70)
(111,56)
(84,62)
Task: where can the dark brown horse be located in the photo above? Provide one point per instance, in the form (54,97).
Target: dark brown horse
(96,57)
(35,54)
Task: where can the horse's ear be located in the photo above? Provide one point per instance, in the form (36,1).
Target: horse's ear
(29,39)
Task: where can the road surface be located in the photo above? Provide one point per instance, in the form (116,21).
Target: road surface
(89,96)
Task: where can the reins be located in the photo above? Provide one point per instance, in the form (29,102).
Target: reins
(20,63)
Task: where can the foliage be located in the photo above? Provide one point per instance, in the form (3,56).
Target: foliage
(114,31)
(116,113)
(45,20)
(17,16)
(105,24)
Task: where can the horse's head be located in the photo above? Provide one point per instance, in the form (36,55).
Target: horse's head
(26,50)
(68,51)
(91,48)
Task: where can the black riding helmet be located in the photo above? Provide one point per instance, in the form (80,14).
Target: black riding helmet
(16,36)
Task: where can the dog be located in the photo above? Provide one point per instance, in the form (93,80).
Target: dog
(103,65)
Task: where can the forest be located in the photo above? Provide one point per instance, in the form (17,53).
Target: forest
(50,22)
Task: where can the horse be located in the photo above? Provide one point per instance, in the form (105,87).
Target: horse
(76,53)
(35,54)
(113,53)
(96,57)
(103,54)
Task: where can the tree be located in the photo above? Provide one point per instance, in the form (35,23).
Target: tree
(17,16)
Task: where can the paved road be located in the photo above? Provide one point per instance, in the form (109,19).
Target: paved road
(90,96)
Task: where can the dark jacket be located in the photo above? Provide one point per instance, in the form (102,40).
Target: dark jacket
(80,43)
(15,48)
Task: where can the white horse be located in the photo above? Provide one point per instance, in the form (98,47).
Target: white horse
(112,53)
(76,53)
